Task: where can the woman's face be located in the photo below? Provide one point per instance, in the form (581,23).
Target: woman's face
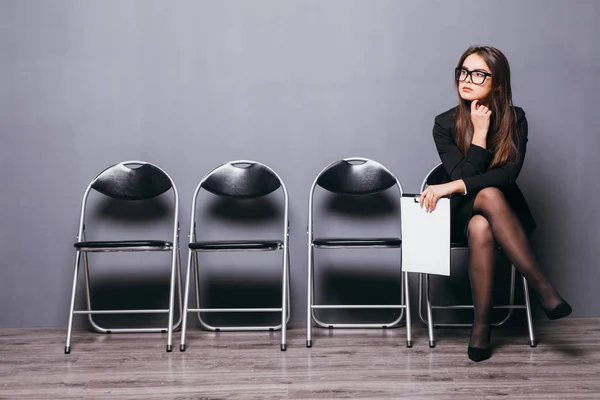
(470,86)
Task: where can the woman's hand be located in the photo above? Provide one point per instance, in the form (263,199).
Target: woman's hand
(480,116)
(433,193)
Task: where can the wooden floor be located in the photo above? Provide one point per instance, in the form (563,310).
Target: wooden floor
(342,364)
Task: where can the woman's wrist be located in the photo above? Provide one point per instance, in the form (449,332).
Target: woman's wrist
(457,187)
(480,139)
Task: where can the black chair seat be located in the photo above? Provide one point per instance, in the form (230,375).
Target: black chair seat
(237,245)
(117,245)
(358,242)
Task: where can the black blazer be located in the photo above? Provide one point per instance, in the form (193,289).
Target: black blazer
(473,169)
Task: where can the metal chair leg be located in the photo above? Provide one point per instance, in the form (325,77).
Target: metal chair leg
(532,342)
(407,305)
(172,282)
(186,297)
(421,298)
(284,299)
(309,296)
(289,300)
(179,292)
(72,306)
(196,270)
(430,325)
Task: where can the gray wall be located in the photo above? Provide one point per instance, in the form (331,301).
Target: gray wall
(296,84)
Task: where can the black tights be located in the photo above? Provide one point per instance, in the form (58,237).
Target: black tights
(493,222)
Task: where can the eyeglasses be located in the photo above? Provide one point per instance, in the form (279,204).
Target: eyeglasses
(477,76)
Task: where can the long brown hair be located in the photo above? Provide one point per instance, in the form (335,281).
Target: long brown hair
(503,122)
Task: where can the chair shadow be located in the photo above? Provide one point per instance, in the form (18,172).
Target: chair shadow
(245,212)
(135,291)
(374,285)
(133,211)
(376,205)
(243,290)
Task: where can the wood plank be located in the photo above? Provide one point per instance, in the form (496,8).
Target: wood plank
(342,364)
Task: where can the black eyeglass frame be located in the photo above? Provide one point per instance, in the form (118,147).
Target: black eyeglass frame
(458,71)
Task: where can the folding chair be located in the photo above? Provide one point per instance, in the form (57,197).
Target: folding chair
(436,176)
(131,181)
(240,180)
(354,177)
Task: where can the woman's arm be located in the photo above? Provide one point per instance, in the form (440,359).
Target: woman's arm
(456,164)
(506,174)
(469,173)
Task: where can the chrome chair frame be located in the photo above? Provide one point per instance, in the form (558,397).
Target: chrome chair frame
(425,295)
(311,307)
(193,260)
(82,253)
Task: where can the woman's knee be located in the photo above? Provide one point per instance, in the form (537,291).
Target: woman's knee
(490,194)
(480,230)
(490,200)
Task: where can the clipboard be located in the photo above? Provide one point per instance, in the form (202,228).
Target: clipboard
(425,236)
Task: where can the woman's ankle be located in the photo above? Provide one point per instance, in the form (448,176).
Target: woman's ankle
(480,335)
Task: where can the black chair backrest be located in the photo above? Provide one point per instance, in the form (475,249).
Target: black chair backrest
(356,178)
(437,176)
(242,180)
(125,183)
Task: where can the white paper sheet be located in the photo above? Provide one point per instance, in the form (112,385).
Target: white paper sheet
(425,237)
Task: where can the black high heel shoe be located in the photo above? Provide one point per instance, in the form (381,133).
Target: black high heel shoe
(478,354)
(562,310)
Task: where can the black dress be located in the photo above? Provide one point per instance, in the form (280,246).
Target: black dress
(473,169)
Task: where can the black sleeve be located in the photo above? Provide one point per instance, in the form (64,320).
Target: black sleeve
(506,174)
(456,164)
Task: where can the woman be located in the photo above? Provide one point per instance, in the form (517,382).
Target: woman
(481,143)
